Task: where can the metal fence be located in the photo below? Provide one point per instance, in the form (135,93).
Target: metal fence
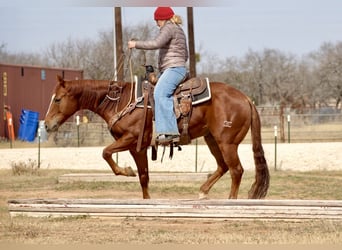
(311,126)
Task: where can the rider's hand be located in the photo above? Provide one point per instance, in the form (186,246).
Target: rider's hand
(131,44)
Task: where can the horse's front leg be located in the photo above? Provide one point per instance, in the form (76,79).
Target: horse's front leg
(141,161)
(117,146)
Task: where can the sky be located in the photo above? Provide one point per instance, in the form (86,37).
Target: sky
(222,28)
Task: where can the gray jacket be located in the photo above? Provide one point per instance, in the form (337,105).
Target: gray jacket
(171,42)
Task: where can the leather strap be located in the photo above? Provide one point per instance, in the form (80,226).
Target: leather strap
(141,134)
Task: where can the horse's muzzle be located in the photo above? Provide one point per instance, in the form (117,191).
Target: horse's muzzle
(51,128)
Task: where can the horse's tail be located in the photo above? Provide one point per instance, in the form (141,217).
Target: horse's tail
(262,176)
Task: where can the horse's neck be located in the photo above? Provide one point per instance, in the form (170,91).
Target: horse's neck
(88,97)
(91,93)
(97,99)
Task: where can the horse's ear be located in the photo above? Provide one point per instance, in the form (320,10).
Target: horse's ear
(60,80)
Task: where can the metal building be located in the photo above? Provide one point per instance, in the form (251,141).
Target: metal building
(30,88)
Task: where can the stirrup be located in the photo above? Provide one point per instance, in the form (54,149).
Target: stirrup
(167,139)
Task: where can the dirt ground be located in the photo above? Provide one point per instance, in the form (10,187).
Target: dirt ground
(285,156)
(83,230)
(302,165)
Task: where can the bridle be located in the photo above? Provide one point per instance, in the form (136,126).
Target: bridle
(119,114)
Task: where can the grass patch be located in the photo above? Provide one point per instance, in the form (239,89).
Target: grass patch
(98,186)
(25,168)
(69,218)
(318,185)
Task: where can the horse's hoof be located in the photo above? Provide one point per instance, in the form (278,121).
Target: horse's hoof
(203,196)
(129,171)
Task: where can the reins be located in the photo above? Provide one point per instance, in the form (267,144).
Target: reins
(127,107)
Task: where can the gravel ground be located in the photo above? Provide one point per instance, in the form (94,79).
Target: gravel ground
(295,156)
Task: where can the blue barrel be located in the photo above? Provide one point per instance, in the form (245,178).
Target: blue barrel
(28,125)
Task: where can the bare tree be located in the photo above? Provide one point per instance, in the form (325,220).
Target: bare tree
(70,54)
(19,58)
(96,57)
(100,63)
(329,72)
(143,31)
(274,75)
(268,76)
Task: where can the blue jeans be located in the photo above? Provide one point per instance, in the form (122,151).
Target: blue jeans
(166,122)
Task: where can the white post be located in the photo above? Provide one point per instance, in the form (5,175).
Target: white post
(288,128)
(39,135)
(78,130)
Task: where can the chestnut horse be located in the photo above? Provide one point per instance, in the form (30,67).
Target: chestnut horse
(223,121)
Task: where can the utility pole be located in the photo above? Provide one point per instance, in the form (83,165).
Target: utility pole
(118,44)
(192,60)
(192,55)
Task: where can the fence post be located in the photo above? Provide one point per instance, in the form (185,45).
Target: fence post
(78,130)
(196,155)
(39,135)
(288,128)
(275,147)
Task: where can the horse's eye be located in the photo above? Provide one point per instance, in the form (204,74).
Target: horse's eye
(57,100)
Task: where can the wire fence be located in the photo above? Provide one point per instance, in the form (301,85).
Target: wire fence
(312,126)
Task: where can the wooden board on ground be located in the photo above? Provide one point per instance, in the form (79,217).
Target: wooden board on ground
(195,209)
(155,177)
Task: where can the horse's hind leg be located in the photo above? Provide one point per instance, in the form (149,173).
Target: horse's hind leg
(230,153)
(222,167)
(227,158)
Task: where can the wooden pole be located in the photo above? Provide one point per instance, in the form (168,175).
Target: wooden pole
(212,209)
(118,43)
(115,77)
(192,54)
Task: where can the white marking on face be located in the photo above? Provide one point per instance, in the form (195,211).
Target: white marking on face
(52,98)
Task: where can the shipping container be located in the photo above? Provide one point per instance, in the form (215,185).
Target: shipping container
(26,87)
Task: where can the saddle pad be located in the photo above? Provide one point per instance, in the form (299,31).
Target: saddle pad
(197,98)
(204,96)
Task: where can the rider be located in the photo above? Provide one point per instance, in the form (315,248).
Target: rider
(173,54)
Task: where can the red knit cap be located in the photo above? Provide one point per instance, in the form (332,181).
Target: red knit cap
(163,13)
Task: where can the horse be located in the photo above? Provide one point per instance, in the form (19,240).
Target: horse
(223,121)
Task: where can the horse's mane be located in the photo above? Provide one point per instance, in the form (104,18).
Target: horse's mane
(94,92)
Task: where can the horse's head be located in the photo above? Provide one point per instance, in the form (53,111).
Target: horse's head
(63,105)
